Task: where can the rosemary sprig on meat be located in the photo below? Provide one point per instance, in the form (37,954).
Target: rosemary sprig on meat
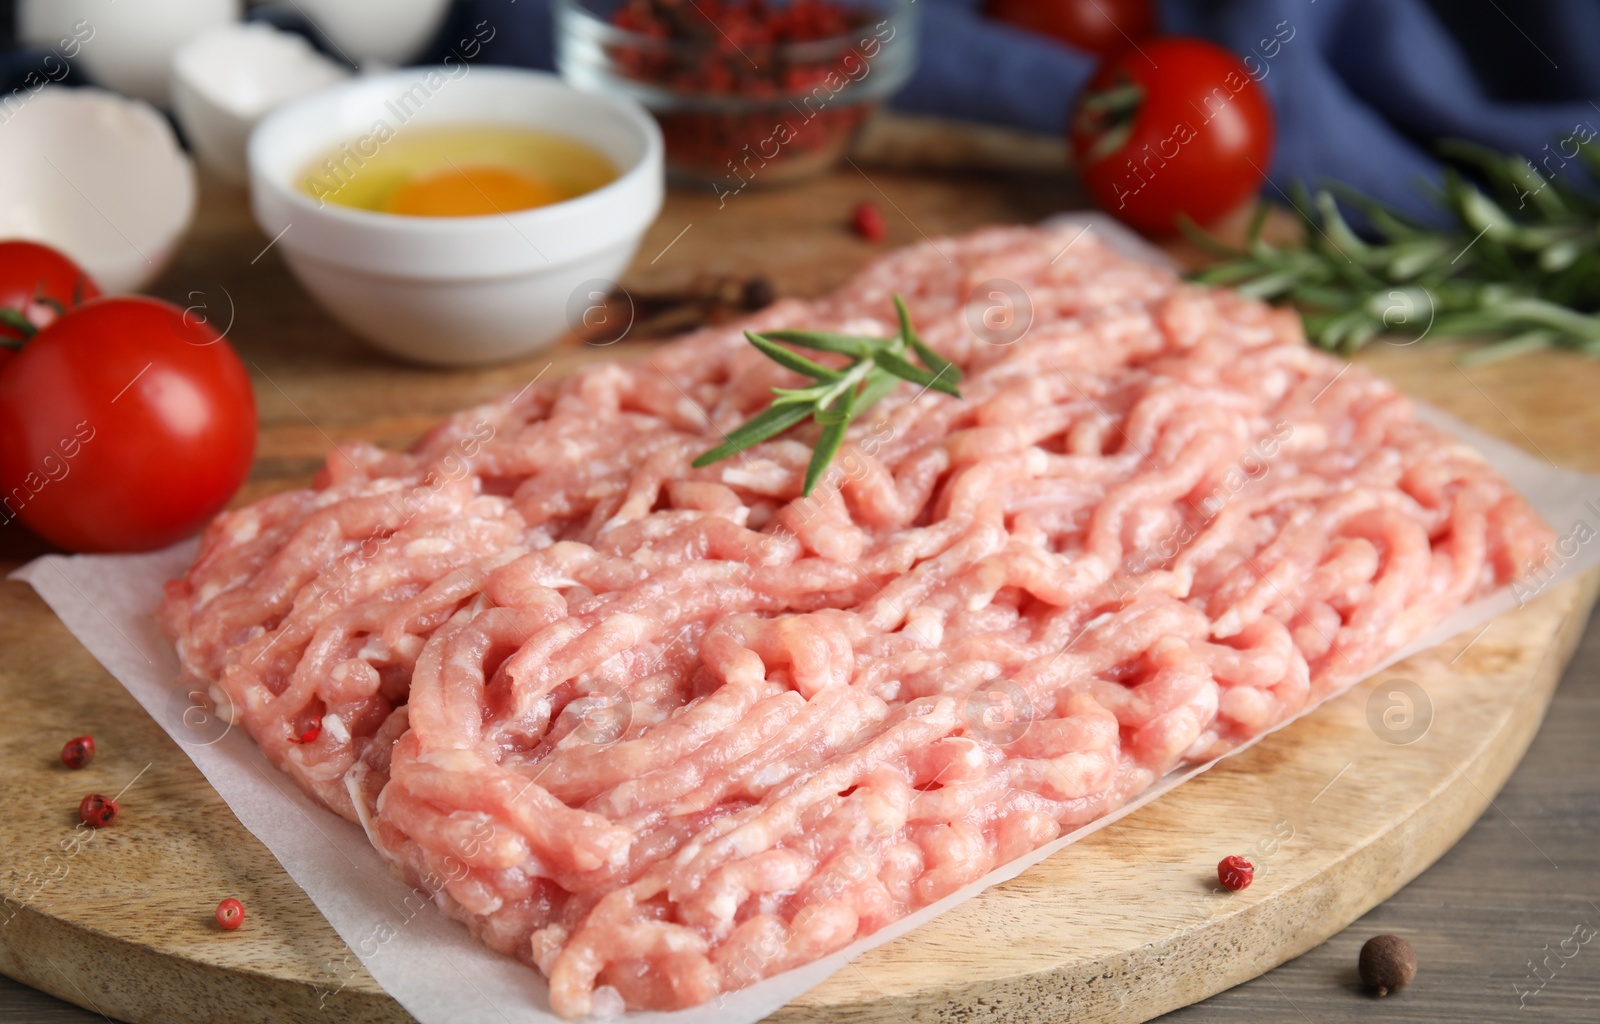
(1520,262)
(875,367)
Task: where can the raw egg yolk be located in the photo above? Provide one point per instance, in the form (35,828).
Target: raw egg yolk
(471,192)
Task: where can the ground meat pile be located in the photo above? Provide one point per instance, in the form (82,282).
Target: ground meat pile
(661,731)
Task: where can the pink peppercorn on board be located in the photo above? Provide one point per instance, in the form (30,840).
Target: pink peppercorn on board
(1287,839)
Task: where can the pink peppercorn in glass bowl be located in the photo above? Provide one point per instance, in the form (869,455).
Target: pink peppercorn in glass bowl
(747,92)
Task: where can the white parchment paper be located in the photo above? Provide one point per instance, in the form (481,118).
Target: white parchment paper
(430,964)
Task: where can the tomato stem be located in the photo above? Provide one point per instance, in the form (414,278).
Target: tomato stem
(1110,114)
(22,325)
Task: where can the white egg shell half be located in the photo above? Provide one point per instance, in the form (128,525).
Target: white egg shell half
(225,79)
(99,177)
(130,43)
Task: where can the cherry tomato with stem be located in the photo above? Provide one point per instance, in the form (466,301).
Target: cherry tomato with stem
(1177,126)
(1094,26)
(37,284)
(124,426)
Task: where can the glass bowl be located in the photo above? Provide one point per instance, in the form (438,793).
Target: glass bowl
(735,110)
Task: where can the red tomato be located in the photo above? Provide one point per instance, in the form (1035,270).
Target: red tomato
(37,284)
(1176,126)
(124,426)
(1096,26)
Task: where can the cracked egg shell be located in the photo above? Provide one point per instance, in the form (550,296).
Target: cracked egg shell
(99,177)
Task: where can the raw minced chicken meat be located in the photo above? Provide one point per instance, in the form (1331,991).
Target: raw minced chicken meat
(661,731)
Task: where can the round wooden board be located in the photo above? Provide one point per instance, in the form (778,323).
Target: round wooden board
(1122,926)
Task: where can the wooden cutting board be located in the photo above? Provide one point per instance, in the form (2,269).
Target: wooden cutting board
(1335,811)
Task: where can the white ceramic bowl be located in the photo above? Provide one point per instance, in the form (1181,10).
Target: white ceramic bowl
(99,177)
(383,31)
(454,290)
(227,78)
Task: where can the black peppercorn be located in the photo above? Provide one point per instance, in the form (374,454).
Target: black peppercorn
(758,293)
(1388,963)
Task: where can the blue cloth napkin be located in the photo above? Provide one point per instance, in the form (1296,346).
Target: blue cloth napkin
(1361,88)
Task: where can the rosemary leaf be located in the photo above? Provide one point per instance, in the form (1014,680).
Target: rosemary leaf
(913,373)
(792,360)
(1268,286)
(877,386)
(1338,231)
(826,341)
(774,421)
(1216,247)
(931,359)
(1258,223)
(1412,258)
(833,431)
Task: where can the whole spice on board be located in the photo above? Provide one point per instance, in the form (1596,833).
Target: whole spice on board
(78,751)
(230,913)
(97,810)
(1235,873)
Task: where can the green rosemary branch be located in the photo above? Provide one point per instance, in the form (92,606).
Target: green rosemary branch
(1520,262)
(875,367)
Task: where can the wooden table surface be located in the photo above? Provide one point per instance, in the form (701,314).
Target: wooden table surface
(1487,920)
